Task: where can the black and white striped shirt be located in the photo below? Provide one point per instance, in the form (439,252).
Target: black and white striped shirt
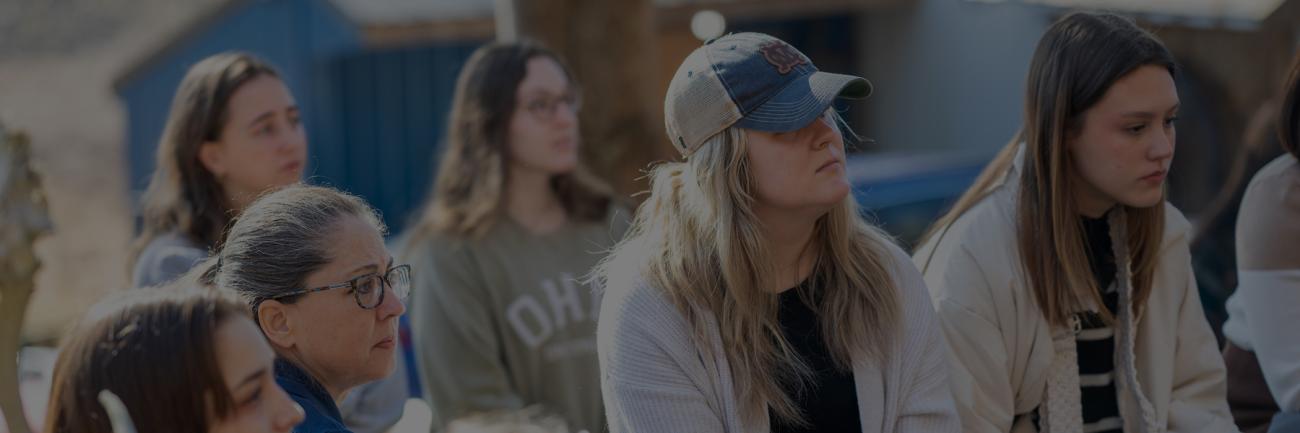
(1095,340)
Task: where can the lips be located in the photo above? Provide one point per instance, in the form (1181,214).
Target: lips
(1155,177)
(291,166)
(828,164)
(387,343)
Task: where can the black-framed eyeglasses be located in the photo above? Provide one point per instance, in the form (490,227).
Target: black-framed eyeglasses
(545,108)
(368,289)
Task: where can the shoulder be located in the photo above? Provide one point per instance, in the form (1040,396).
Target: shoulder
(166,257)
(1268,216)
(632,302)
(1177,230)
(978,249)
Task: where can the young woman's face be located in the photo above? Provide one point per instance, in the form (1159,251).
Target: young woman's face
(247,367)
(544,127)
(801,170)
(336,338)
(262,144)
(1123,150)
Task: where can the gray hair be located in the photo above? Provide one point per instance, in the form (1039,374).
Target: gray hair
(281,239)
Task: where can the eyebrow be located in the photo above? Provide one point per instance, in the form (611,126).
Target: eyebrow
(251,378)
(264,116)
(268,114)
(1148,114)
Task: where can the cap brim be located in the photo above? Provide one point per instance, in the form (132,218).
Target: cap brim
(803,101)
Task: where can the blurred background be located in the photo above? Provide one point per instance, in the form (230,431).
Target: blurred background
(90,83)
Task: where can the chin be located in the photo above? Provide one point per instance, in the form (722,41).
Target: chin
(564,167)
(1143,201)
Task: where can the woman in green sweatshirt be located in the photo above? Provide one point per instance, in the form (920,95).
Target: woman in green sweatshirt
(500,318)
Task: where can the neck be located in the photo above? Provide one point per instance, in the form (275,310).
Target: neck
(532,203)
(789,237)
(336,391)
(1089,201)
(238,200)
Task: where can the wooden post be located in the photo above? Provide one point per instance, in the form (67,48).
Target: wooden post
(612,47)
(23,210)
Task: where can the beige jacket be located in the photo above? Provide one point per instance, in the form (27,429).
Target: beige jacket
(1008,362)
(656,379)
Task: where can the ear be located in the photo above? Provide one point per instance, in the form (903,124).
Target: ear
(211,156)
(273,317)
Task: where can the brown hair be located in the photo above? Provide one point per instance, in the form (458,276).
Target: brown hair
(469,194)
(183,195)
(1075,63)
(1288,120)
(155,349)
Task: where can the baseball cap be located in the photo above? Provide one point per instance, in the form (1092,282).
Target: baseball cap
(753,81)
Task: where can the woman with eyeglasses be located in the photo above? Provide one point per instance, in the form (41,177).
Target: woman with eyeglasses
(311,263)
(500,319)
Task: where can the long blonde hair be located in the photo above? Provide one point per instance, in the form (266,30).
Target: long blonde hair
(1076,62)
(697,239)
(468,196)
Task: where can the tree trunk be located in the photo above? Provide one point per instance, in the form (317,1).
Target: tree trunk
(611,46)
(22,208)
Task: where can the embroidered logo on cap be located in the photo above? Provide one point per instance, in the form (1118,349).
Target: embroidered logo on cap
(782,55)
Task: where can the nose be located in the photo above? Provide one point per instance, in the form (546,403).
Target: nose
(823,132)
(287,412)
(293,140)
(566,115)
(391,305)
(1162,146)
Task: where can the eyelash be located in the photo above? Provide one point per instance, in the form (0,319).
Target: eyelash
(257,395)
(1137,129)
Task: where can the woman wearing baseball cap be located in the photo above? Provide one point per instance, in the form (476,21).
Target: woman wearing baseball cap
(749,295)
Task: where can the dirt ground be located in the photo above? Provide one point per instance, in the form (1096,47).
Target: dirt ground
(58,59)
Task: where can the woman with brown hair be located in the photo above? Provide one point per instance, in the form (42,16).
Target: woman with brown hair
(1062,277)
(500,321)
(181,361)
(1263,353)
(233,132)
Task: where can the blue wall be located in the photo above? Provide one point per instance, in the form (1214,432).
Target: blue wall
(391,119)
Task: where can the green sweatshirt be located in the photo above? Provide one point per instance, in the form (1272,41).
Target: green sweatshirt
(503,322)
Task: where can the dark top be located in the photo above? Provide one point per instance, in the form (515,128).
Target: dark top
(1095,341)
(321,414)
(830,401)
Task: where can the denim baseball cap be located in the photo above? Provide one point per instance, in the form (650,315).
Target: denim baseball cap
(753,81)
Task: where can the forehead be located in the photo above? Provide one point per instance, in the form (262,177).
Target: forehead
(241,349)
(1147,89)
(543,74)
(353,242)
(262,93)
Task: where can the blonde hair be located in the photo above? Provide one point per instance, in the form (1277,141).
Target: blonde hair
(697,239)
(1076,62)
